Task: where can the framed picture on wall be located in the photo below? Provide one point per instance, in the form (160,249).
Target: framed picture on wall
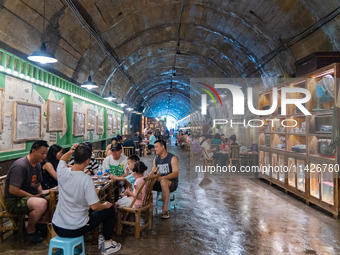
(78,123)
(55,116)
(118,124)
(100,125)
(109,121)
(27,121)
(1,108)
(114,123)
(91,119)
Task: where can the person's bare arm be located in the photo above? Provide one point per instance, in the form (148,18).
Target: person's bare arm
(154,168)
(50,169)
(99,206)
(175,170)
(107,150)
(66,157)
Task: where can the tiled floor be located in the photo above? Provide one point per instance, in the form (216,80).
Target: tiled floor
(217,215)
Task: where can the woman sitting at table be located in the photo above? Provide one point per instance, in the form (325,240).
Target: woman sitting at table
(128,196)
(49,167)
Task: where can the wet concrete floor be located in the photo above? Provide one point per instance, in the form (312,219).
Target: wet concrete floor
(219,215)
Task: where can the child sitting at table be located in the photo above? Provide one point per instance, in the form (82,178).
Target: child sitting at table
(128,196)
(128,176)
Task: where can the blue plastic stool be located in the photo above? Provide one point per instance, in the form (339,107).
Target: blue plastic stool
(67,244)
(171,200)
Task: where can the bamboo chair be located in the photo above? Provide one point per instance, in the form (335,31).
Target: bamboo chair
(146,208)
(129,150)
(99,153)
(234,154)
(18,220)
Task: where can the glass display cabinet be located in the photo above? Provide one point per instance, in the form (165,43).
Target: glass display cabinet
(313,165)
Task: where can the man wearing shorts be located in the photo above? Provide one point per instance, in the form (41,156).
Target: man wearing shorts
(23,191)
(168,168)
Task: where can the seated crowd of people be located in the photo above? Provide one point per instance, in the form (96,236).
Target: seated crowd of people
(216,146)
(79,209)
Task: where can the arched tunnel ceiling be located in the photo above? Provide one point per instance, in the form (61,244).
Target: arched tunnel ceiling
(146,51)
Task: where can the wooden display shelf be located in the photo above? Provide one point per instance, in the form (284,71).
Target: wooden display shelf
(326,135)
(301,181)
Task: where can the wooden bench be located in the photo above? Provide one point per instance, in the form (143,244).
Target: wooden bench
(17,220)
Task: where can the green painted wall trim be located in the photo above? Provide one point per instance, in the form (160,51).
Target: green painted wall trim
(19,67)
(24,70)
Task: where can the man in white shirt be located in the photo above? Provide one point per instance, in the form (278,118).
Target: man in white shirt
(116,163)
(207,146)
(212,153)
(77,195)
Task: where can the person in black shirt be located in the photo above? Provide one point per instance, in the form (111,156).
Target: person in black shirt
(169,169)
(49,167)
(232,139)
(23,191)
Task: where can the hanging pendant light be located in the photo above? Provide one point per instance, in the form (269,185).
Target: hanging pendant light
(110,97)
(89,84)
(42,56)
(122,104)
(129,109)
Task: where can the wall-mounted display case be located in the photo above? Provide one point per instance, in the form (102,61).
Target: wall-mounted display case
(312,168)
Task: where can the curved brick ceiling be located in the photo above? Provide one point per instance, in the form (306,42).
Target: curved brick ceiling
(146,51)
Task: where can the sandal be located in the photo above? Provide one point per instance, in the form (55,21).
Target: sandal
(165,215)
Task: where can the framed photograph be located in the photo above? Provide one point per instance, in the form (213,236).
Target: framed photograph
(91,119)
(118,124)
(100,125)
(27,121)
(55,116)
(78,123)
(2,99)
(114,123)
(109,121)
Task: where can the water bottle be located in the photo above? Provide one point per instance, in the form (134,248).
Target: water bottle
(100,241)
(100,173)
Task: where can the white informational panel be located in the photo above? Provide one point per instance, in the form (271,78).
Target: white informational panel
(114,123)
(109,121)
(27,121)
(91,119)
(78,123)
(118,124)
(100,124)
(55,117)
(1,108)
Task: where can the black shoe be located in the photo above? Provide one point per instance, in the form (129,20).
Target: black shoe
(42,229)
(34,238)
